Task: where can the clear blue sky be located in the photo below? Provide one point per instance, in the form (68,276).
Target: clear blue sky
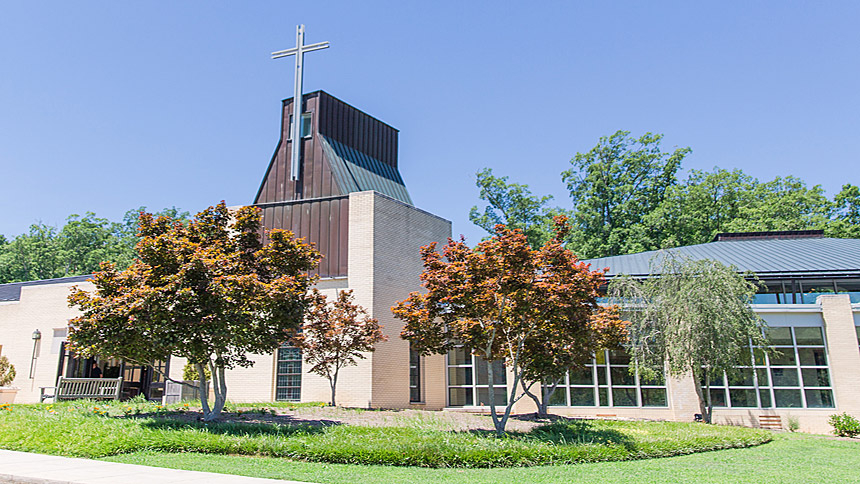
(105,106)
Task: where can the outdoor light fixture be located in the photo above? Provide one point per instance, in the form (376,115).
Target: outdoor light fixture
(37,335)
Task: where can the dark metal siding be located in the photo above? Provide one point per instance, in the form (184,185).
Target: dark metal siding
(316,207)
(323,222)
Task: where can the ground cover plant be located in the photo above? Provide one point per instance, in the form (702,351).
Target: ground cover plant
(423,439)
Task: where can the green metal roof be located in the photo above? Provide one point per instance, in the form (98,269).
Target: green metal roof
(765,257)
(355,171)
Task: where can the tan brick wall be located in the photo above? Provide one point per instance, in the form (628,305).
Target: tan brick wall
(40,307)
(384,267)
(843,352)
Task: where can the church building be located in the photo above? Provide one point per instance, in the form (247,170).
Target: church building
(345,194)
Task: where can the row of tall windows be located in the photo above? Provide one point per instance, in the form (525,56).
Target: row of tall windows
(805,291)
(797,376)
(608,382)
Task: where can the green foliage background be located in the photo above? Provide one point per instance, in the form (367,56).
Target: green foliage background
(626,196)
(46,252)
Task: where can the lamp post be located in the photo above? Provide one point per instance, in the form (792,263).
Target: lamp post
(37,336)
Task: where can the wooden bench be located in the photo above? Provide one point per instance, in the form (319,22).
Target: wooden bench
(76,388)
(772,422)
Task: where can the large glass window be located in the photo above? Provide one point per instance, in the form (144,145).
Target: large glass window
(288,386)
(607,382)
(805,291)
(468,383)
(796,376)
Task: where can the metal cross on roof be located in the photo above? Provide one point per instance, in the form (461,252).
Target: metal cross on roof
(299,51)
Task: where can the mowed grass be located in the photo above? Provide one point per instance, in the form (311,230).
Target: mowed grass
(94,430)
(788,459)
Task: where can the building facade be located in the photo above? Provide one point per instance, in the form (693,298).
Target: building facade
(351,202)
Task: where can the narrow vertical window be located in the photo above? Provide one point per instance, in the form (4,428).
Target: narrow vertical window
(414,376)
(288,386)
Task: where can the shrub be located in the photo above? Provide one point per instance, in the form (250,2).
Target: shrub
(7,372)
(189,372)
(793,424)
(845,425)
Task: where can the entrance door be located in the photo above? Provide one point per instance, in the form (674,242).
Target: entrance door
(136,379)
(144,380)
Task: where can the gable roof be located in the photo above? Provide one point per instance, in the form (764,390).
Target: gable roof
(799,257)
(12,291)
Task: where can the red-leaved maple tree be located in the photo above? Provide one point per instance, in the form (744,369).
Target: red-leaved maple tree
(209,291)
(335,334)
(502,300)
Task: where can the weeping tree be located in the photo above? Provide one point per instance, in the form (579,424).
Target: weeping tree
(210,291)
(690,317)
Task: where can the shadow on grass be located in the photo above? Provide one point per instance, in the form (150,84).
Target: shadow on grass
(579,432)
(564,431)
(299,427)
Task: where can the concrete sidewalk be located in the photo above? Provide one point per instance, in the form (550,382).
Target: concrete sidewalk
(26,468)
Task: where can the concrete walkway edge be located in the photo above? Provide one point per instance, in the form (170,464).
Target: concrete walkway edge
(28,468)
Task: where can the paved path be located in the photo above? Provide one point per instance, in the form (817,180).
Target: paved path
(26,468)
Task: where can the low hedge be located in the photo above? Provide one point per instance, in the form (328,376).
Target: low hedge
(93,430)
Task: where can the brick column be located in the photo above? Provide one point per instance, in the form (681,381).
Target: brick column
(843,352)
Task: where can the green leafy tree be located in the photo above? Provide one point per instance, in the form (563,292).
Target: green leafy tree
(209,291)
(614,187)
(514,206)
(335,335)
(846,216)
(84,243)
(705,204)
(76,249)
(784,203)
(31,256)
(691,317)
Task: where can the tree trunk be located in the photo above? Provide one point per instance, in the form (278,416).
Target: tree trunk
(700,394)
(219,386)
(203,389)
(546,394)
(499,425)
(534,398)
(710,407)
(333,382)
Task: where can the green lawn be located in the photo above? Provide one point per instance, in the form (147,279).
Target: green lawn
(789,458)
(423,448)
(90,429)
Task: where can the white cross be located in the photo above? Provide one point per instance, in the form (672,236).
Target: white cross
(299,51)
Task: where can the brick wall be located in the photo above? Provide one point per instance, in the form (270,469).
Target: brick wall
(44,308)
